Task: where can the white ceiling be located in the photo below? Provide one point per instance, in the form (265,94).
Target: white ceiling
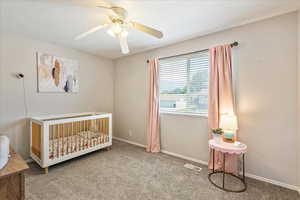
(59,21)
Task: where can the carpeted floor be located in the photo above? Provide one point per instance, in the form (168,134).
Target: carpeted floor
(128,172)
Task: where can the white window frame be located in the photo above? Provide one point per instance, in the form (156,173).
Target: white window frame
(189,114)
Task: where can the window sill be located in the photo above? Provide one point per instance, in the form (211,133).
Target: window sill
(184,114)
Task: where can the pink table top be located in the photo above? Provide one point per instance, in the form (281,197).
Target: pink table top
(228,147)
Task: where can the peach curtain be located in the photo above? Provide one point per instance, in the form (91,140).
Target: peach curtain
(220,99)
(153,134)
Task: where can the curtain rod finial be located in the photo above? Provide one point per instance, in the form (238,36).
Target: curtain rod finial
(235,44)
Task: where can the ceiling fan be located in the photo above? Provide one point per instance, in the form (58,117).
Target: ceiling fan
(118,26)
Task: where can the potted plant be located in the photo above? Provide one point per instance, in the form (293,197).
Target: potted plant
(217,134)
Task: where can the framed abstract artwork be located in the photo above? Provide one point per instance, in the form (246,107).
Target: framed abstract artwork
(57,74)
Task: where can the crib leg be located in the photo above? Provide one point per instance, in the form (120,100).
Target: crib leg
(108,148)
(46,170)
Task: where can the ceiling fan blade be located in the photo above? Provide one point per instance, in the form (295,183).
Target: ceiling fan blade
(121,12)
(124,45)
(147,29)
(105,5)
(90,31)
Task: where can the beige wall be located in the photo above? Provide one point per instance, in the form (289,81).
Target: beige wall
(19,55)
(298,89)
(266,84)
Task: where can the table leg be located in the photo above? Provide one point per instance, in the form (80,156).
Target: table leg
(213,151)
(244,167)
(22,186)
(224,154)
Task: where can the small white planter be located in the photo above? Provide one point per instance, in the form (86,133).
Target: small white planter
(217,138)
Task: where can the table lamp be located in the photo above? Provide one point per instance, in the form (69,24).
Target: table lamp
(229,125)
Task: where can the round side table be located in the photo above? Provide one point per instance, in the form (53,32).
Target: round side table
(228,148)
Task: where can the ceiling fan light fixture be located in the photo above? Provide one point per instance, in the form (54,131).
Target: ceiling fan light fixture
(117,30)
(118,26)
(111,33)
(124,33)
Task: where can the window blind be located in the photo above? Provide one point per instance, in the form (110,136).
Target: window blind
(184,83)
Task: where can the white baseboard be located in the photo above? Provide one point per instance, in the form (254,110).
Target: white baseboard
(260,178)
(274,182)
(129,142)
(184,157)
(28,160)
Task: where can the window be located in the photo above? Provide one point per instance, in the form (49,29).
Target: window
(184,84)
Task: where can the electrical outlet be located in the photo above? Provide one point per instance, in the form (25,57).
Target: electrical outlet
(130,133)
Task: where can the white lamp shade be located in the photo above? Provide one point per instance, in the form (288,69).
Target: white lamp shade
(228,122)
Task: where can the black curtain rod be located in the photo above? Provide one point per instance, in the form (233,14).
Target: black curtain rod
(232,45)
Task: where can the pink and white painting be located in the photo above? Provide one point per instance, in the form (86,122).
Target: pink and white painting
(57,74)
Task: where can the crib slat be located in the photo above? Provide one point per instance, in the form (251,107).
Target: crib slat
(97,141)
(79,141)
(77,138)
(62,140)
(85,142)
(88,134)
(50,139)
(107,129)
(102,131)
(95,128)
(72,136)
(52,142)
(80,123)
(99,124)
(84,133)
(61,137)
(57,141)
(76,143)
(102,125)
(69,138)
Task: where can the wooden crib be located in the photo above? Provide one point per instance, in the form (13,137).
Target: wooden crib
(54,139)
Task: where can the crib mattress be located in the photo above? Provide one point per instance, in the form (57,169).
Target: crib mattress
(66,145)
